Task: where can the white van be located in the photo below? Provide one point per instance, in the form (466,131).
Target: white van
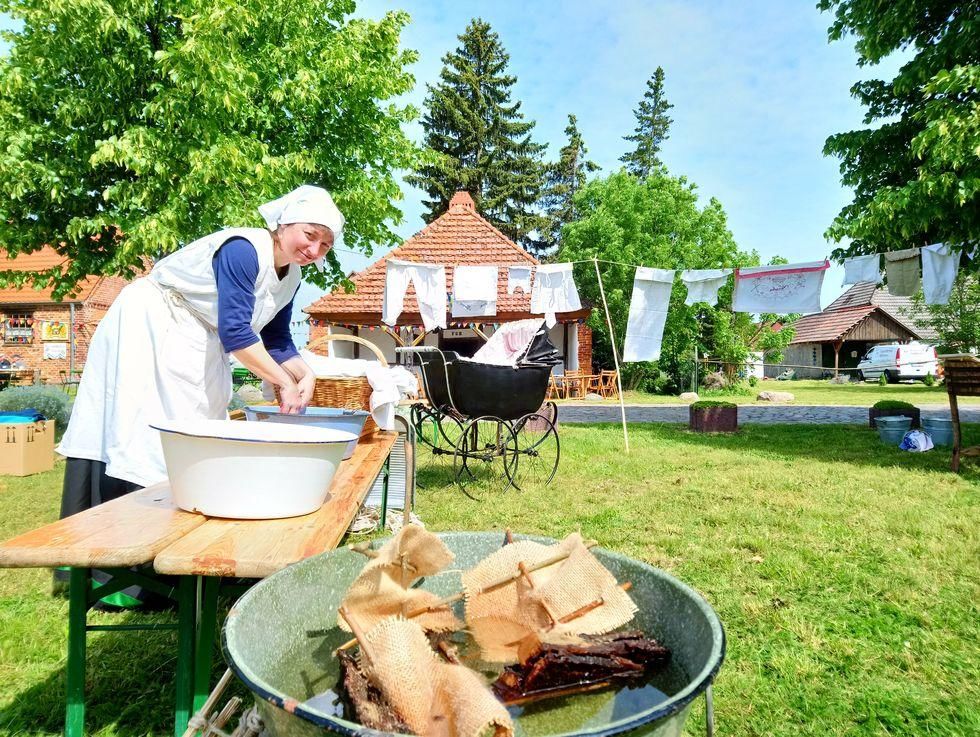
(899,361)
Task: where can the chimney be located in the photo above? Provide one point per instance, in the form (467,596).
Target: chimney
(461,201)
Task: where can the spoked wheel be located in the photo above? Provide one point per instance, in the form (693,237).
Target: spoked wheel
(479,465)
(438,435)
(538,452)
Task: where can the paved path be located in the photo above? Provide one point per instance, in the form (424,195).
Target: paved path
(748,414)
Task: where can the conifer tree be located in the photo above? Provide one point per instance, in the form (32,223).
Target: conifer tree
(652,126)
(478,139)
(565,177)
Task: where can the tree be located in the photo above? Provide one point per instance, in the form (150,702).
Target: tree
(652,126)
(130,128)
(958,322)
(479,140)
(566,176)
(916,172)
(657,222)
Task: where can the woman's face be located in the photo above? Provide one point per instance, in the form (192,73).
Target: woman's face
(304,243)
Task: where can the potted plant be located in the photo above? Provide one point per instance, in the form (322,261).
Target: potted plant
(893,408)
(712,416)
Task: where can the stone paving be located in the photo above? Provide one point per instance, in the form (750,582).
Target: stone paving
(748,414)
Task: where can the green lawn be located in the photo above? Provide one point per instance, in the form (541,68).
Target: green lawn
(844,571)
(812,391)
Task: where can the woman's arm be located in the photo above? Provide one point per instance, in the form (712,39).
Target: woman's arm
(236,268)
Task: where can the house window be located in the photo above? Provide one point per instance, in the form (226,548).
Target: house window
(815,357)
(18,328)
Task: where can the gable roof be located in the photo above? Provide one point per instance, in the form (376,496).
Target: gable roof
(457,237)
(829,325)
(42,259)
(898,308)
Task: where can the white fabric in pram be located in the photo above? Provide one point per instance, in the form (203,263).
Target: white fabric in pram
(509,343)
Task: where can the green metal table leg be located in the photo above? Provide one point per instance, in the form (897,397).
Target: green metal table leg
(384,491)
(206,628)
(186,616)
(78,584)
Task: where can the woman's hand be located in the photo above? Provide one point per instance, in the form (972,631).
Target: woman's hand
(306,384)
(291,399)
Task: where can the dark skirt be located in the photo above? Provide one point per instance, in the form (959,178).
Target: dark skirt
(86,485)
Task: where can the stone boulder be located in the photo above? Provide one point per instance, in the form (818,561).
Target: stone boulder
(689,396)
(593,397)
(768,396)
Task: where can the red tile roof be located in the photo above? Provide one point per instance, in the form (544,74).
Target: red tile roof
(829,325)
(459,236)
(43,259)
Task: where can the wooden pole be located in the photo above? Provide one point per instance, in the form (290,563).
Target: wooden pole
(612,341)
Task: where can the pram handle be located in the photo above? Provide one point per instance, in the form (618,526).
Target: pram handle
(418,349)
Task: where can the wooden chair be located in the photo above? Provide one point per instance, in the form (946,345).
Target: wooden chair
(593,384)
(574,384)
(556,387)
(609,383)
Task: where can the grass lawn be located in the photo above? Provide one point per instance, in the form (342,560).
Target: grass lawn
(845,573)
(810,391)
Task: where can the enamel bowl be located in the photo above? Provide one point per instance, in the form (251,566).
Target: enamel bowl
(250,470)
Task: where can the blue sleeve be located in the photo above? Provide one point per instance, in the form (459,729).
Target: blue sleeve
(236,267)
(276,336)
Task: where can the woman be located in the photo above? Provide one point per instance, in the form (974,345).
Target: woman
(161,351)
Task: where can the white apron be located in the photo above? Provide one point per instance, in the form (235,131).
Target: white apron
(156,355)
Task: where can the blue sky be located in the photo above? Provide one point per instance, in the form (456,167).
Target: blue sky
(755,85)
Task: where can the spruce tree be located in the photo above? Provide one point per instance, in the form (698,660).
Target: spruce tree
(565,177)
(652,126)
(478,139)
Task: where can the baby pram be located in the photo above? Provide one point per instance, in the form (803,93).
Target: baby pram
(490,407)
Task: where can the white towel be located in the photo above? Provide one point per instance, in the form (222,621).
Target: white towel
(474,291)
(703,284)
(648,314)
(519,277)
(780,289)
(430,291)
(554,291)
(861,269)
(940,263)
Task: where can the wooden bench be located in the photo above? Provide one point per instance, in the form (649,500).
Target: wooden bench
(962,374)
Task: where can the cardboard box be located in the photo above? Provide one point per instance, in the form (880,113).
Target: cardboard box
(26,449)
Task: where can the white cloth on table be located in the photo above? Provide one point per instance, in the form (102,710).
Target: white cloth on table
(306,204)
(474,291)
(862,269)
(648,313)
(389,384)
(703,284)
(518,277)
(781,289)
(554,291)
(430,292)
(940,263)
(508,343)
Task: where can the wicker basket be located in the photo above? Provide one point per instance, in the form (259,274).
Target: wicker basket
(347,392)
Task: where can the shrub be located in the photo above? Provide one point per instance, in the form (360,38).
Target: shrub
(892,404)
(882,380)
(711,403)
(929,380)
(753,381)
(715,380)
(50,401)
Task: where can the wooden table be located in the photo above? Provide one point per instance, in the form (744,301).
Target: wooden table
(143,538)
(962,376)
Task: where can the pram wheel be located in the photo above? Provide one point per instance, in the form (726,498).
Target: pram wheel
(538,452)
(484,441)
(437,436)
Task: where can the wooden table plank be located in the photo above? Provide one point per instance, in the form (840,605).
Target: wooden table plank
(127,531)
(257,548)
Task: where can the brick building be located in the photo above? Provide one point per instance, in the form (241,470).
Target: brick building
(46,335)
(458,237)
